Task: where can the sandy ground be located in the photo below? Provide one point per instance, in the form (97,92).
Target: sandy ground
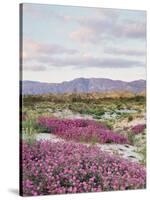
(124,123)
(66,113)
(47,136)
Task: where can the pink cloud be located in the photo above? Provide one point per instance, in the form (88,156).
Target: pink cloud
(32,49)
(82,35)
(94,29)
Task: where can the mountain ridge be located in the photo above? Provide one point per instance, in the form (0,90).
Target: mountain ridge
(83,85)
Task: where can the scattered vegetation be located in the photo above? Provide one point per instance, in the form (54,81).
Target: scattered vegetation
(58,168)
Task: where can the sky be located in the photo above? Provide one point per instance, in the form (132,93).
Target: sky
(61,43)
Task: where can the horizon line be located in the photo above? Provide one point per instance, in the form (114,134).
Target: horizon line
(82,78)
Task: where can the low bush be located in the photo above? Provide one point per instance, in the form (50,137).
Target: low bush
(137,129)
(130,118)
(58,168)
(81,129)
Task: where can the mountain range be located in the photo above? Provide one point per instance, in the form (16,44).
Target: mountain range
(83,85)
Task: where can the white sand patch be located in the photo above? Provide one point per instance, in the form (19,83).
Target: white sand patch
(125,123)
(124,150)
(49,137)
(66,113)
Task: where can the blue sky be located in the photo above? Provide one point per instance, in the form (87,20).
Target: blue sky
(64,42)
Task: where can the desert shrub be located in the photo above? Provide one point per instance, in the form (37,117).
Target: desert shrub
(59,168)
(131,138)
(97,117)
(96,112)
(137,129)
(142,151)
(109,124)
(41,129)
(28,126)
(139,98)
(119,105)
(130,118)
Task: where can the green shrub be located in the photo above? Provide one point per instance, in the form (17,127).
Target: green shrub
(131,138)
(28,126)
(130,118)
(142,151)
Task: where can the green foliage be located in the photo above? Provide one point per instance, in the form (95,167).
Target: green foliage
(142,151)
(94,140)
(31,139)
(84,98)
(109,124)
(131,138)
(130,118)
(118,105)
(28,126)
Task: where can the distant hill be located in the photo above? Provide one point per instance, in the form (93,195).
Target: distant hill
(83,85)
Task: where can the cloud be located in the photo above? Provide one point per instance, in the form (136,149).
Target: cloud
(40,57)
(35,67)
(44,63)
(41,11)
(125,51)
(36,52)
(108,26)
(32,47)
(100,25)
(89,61)
(83,35)
(130,29)
(96,62)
